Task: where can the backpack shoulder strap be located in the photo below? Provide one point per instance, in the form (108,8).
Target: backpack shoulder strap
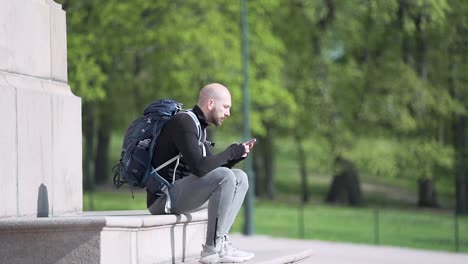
(201,133)
(200,142)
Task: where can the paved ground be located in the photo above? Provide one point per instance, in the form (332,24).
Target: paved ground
(275,250)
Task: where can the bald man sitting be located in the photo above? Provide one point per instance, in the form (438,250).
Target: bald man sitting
(203,179)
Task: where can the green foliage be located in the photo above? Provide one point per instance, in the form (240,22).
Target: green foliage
(86,76)
(421,159)
(359,74)
(376,81)
(376,157)
(407,159)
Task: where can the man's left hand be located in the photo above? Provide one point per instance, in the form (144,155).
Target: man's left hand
(248,146)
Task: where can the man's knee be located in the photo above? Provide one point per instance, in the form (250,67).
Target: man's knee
(241,178)
(223,175)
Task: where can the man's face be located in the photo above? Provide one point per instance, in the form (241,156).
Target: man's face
(220,109)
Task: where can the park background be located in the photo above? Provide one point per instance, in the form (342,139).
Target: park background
(359,107)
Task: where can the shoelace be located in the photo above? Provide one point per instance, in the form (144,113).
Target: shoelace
(222,248)
(226,245)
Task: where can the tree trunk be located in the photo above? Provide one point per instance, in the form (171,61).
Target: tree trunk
(426,187)
(259,167)
(258,175)
(345,187)
(102,170)
(88,128)
(421,48)
(264,165)
(460,146)
(337,191)
(303,169)
(427,195)
(400,24)
(268,157)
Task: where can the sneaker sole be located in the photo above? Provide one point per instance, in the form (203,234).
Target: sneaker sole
(231,259)
(216,259)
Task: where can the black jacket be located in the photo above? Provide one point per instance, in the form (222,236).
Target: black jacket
(180,135)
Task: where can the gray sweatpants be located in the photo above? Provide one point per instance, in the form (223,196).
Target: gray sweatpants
(222,190)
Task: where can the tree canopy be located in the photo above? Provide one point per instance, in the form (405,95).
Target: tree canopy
(345,73)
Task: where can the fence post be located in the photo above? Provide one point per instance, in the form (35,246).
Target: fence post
(301,220)
(457,239)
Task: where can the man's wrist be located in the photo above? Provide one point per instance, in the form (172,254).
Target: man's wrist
(237,150)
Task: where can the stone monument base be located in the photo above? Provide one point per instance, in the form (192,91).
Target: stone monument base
(40,163)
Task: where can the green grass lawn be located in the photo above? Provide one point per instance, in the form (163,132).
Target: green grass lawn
(114,200)
(415,229)
(426,230)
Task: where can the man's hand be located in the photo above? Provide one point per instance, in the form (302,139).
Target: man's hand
(248,146)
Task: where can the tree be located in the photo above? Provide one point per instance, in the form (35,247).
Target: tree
(271,103)
(402,107)
(455,46)
(311,62)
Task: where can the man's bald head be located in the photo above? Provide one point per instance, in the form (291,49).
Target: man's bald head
(212,91)
(215,102)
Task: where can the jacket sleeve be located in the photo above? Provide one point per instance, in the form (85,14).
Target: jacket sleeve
(233,163)
(186,141)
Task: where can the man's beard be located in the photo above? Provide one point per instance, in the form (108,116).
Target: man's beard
(218,122)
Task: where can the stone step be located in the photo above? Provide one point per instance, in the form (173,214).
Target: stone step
(103,237)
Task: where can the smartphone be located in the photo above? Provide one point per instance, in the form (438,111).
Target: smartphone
(252,141)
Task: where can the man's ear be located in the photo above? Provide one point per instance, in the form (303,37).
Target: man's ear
(210,104)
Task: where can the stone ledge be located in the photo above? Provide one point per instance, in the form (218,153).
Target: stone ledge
(112,219)
(50,223)
(142,219)
(103,237)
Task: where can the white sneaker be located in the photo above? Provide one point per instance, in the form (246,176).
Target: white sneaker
(232,251)
(224,252)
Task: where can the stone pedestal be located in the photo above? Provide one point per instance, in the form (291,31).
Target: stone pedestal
(40,135)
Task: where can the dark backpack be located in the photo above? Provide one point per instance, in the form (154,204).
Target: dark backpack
(134,166)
